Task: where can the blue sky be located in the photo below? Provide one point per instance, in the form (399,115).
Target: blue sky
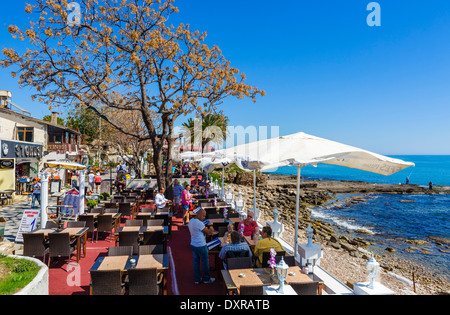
(325,71)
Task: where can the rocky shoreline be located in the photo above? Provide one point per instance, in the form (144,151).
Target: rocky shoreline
(344,257)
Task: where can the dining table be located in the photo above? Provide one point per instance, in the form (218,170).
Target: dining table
(233,279)
(124,263)
(80,234)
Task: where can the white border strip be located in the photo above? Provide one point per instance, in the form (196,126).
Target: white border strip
(173,274)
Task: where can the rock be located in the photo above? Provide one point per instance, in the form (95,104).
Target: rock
(363,231)
(418,242)
(348,247)
(390,249)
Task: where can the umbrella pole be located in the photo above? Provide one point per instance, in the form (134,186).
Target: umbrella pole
(223,178)
(297,211)
(44,199)
(254,192)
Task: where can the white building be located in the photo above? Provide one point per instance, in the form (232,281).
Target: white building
(29,142)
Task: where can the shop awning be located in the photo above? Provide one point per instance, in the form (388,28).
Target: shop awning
(65,165)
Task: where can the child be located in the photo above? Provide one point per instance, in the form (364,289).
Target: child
(230,229)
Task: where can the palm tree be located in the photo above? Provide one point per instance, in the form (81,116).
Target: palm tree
(214,130)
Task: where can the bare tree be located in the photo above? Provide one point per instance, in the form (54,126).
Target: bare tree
(125,47)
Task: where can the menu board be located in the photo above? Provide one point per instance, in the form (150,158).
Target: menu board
(28,224)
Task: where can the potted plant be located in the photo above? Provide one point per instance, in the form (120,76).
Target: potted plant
(91,204)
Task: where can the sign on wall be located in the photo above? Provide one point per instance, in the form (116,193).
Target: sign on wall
(6,164)
(17,149)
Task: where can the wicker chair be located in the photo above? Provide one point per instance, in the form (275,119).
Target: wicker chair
(105,224)
(163,210)
(164,217)
(239,263)
(125,209)
(211,212)
(151,249)
(147,210)
(289,260)
(222,230)
(89,222)
(266,257)
(51,225)
(120,251)
(214,216)
(130,238)
(107,282)
(34,245)
(75,224)
(111,210)
(154,238)
(60,246)
(134,223)
(233,215)
(155,222)
(111,205)
(309,288)
(97,210)
(145,218)
(142,281)
(251,290)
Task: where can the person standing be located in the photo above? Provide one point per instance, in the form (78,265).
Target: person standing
(74,179)
(36,187)
(177,190)
(98,182)
(91,178)
(198,232)
(186,200)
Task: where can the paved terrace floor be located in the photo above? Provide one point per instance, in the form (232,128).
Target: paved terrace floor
(74,279)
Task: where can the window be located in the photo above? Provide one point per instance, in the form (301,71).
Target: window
(55,138)
(25,134)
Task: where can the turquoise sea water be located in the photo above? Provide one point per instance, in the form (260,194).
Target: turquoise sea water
(434,168)
(393,222)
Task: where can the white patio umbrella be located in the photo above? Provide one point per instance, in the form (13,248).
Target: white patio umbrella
(211,163)
(300,150)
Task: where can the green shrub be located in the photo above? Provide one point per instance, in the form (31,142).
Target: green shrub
(92,203)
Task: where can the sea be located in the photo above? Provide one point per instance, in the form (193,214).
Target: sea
(389,220)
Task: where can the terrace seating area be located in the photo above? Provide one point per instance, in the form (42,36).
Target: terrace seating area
(145,250)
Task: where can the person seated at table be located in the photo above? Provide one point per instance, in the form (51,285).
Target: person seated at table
(265,245)
(193,191)
(207,192)
(234,246)
(250,226)
(230,229)
(160,200)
